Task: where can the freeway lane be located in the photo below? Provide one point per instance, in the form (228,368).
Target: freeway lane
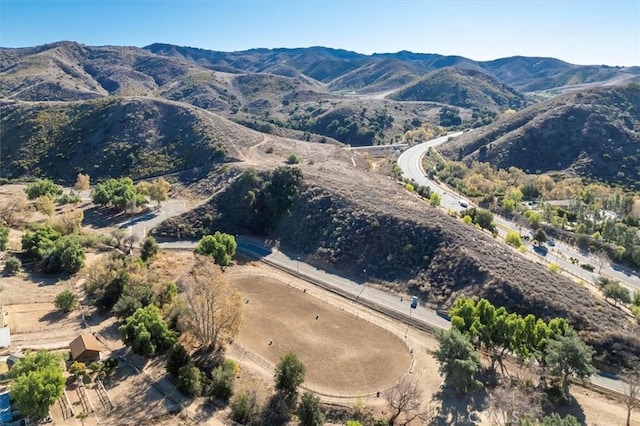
(410,163)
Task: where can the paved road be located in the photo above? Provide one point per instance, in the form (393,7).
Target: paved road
(411,164)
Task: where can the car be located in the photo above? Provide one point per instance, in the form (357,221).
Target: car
(551,242)
(464,204)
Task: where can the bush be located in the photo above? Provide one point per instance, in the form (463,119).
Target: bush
(12,265)
(513,238)
(293,159)
(189,380)
(69,199)
(149,250)
(146,332)
(43,187)
(4,237)
(222,379)
(220,246)
(66,301)
(178,358)
(67,256)
(245,408)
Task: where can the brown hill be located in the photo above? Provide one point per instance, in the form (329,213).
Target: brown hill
(113,136)
(462,87)
(593,133)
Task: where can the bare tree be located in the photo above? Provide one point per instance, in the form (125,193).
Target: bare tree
(631,392)
(512,401)
(82,183)
(215,309)
(405,400)
(15,210)
(119,235)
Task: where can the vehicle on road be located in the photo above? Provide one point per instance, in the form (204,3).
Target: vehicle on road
(414,302)
(464,204)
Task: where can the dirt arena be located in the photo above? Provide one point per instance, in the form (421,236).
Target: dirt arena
(344,354)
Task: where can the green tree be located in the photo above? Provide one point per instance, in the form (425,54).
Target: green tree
(513,238)
(568,356)
(245,408)
(39,382)
(146,332)
(189,380)
(435,199)
(221,247)
(617,292)
(43,187)
(540,236)
(4,237)
(222,378)
(157,190)
(458,360)
(484,218)
(149,250)
(39,241)
(120,193)
(66,301)
(67,255)
(309,410)
(289,374)
(178,358)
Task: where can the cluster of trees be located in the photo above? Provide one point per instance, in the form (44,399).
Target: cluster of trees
(220,246)
(38,383)
(480,325)
(481,217)
(55,252)
(119,193)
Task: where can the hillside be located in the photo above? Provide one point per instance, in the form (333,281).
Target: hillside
(462,87)
(593,133)
(338,221)
(114,136)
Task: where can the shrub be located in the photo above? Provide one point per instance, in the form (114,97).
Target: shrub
(293,159)
(146,332)
(553,267)
(245,408)
(222,379)
(178,358)
(4,237)
(66,301)
(149,250)
(12,265)
(189,380)
(513,238)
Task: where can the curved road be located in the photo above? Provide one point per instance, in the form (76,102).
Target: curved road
(410,162)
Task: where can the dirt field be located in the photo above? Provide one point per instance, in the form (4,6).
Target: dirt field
(344,354)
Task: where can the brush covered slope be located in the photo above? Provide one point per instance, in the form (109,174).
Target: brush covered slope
(593,133)
(347,219)
(114,136)
(464,88)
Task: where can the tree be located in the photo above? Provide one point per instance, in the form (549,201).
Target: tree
(40,241)
(157,190)
(309,410)
(631,382)
(146,332)
(222,378)
(484,218)
(458,360)
(83,182)
(4,237)
(189,380)
(613,290)
(43,187)
(39,382)
(149,250)
(215,309)
(404,399)
(67,255)
(45,205)
(221,247)
(435,199)
(567,355)
(15,210)
(178,358)
(245,408)
(513,238)
(66,301)
(289,374)
(119,235)
(540,236)
(120,193)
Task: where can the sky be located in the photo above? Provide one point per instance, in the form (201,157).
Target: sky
(577,31)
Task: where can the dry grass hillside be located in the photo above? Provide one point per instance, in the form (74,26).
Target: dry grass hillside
(348,219)
(593,133)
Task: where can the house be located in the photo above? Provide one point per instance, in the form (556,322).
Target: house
(85,348)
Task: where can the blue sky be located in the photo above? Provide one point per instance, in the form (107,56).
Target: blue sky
(580,32)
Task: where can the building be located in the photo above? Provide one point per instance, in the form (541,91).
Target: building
(85,348)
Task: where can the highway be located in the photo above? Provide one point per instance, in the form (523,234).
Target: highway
(410,162)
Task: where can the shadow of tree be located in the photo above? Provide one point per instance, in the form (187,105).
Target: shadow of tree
(458,409)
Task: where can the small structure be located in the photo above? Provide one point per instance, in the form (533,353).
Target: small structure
(85,348)
(5,337)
